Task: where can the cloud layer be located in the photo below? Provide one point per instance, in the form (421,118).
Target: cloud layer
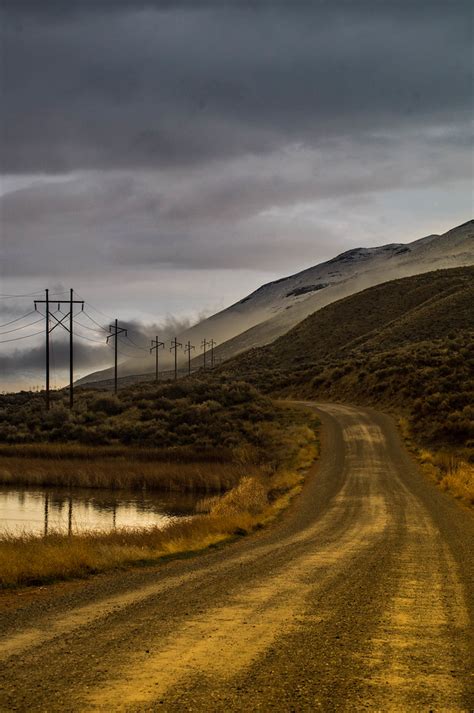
(128,85)
(178,153)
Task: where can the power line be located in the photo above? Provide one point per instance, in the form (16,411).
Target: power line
(86,326)
(115,330)
(53,364)
(137,345)
(95,322)
(132,356)
(99,341)
(129,329)
(155,345)
(135,331)
(71,302)
(204,345)
(29,294)
(17,339)
(17,319)
(107,344)
(212,344)
(96,309)
(188,349)
(99,311)
(174,346)
(16,329)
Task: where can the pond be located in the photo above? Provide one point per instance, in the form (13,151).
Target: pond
(44,510)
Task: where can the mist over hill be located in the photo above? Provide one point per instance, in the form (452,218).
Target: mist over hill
(276,307)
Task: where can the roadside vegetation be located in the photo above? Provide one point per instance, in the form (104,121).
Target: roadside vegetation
(195,413)
(193,435)
(451,469)
(406,347)
(255,466)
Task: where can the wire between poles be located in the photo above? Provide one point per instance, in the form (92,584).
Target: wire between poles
(17,339)
(17,319)
(16,329)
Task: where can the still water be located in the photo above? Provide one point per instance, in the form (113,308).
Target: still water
(44,510)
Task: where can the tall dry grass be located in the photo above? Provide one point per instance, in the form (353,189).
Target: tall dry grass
(447,468)
(124,473)
(31,560)
(255,499)
(77,451)
(451,472)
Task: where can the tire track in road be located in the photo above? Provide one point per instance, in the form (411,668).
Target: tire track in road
(223,642)
(356,600)
(229,638)
(412,661)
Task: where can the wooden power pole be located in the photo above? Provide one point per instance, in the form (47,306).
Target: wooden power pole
(115,332)
(155,345)
(188,349)
(204,345)
(62,322)
(174,347)
(212,344)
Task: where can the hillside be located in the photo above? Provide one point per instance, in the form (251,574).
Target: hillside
(276,307)
(408,344)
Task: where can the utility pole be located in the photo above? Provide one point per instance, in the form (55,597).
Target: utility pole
(156,344)
(47,348)
(188,349)
(62,323)
(115,331)
(174,346)
(46,514)
(212,344)
(204,345)
(71,348)
(69,517)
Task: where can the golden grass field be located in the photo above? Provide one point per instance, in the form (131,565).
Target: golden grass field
(257,494)
(447,468)
(123,473)
(451,473)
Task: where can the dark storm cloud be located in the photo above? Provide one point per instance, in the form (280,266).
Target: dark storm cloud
(88,351)
(27,360)
(237,215)
(161,155)
(149,84)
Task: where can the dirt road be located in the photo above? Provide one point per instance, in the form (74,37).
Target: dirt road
(360,598)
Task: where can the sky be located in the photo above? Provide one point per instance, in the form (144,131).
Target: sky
(164,159)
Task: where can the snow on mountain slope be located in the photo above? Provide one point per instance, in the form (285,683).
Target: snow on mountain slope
(277,306)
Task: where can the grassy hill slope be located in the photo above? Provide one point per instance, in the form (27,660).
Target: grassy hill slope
(406,344)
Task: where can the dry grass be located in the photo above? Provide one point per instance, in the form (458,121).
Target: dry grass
(124,473)
(77,451)
(31,560)
(447,468)
(250,495)
(450,472)
(258,497)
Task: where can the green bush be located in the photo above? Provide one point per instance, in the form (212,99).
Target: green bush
(200,413)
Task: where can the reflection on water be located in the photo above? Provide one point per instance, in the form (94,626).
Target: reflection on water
(43,510)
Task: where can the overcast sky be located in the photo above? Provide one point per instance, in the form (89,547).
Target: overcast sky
(166,158)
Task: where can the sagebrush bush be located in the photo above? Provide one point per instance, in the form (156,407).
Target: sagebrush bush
(199,413)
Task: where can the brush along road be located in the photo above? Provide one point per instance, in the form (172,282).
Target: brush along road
(359,598)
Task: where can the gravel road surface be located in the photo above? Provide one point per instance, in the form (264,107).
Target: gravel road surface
(359,598)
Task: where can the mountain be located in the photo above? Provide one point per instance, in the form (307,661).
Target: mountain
(407,344)
(276,307)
